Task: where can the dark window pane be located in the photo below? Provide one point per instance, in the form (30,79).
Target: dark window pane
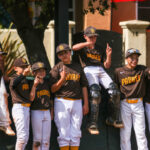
(70,3)
(144,11)
(70,16)
(144,14)
(144,4)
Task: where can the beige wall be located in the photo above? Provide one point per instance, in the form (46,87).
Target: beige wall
(135,36)
(96,20)
(124,11)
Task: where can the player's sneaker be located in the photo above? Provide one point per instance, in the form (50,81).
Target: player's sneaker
(115,123)
(93,129)
(118,124)
(9,131)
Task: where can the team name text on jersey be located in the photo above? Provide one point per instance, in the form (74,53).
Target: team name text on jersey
(75,77)
(43,92)
(129,80)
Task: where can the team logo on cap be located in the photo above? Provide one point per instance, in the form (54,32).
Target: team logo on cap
(40,65)
(61,47)
(23,60)
(92,30)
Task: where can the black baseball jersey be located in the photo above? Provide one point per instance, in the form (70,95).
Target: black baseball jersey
(92,57)
(20,89)
(42,96)
(75,80)
(132,81)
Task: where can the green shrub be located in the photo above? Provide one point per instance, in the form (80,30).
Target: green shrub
(12,48)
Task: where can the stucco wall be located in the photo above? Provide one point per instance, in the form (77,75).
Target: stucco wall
(124,11)
(96,20)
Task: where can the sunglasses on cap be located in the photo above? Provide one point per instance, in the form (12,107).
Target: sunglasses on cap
(133,51)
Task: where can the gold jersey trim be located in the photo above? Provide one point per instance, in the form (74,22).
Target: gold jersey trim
(26,105)
(66,98)
(133,101)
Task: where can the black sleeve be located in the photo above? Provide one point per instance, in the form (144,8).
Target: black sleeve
(17,81)
(116,78)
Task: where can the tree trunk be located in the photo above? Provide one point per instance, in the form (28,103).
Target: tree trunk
(32,38)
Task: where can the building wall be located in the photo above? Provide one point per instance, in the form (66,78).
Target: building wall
(96,20)
(124,11)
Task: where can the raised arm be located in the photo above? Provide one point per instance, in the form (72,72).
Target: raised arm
(81,45)
(21,77)
(56,86)
(107,62)
(33,90)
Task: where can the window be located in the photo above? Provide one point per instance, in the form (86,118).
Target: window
(71,10)
(144,11)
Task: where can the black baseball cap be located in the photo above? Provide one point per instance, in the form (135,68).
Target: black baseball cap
(131,51)
(20,62)
(90,31)
(62,47)
(37,66)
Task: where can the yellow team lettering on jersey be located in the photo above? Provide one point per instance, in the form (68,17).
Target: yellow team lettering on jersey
(129,80)
(96,57)
(43,93)
(75,77)
(25,87)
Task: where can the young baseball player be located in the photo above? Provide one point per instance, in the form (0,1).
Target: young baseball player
(69,88)
(92,58)
(5,120)
(20,91)
(41,107)
(131,82)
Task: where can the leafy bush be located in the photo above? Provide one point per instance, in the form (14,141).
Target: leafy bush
(12,48)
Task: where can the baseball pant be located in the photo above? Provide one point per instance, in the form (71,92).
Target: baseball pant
(41,127)
(4,115)
(147,110)
(21,117)
(68,119)
(96,75)
(133,113)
